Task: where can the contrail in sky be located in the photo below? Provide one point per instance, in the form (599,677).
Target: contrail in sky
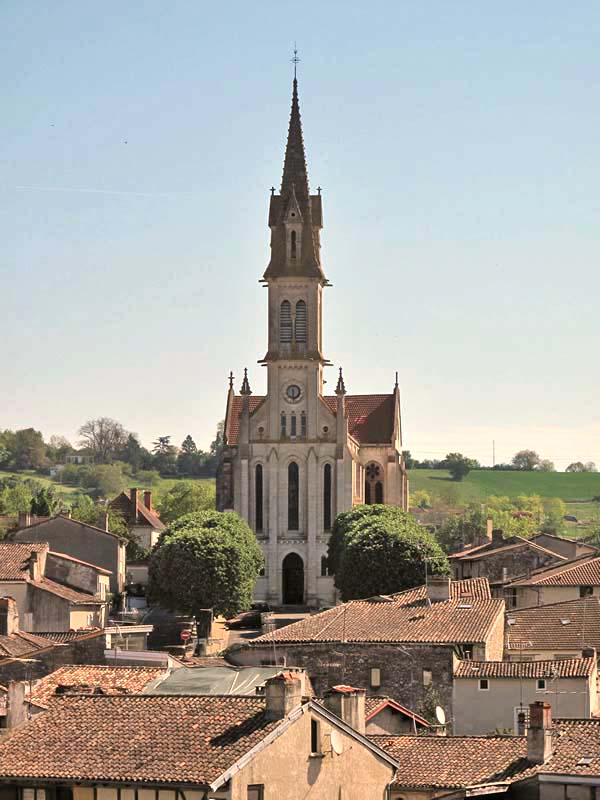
(98,191)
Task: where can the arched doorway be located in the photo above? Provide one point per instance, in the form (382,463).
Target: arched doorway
(292,580)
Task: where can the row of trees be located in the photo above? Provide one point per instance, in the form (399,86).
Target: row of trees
(106,441)
(525,460)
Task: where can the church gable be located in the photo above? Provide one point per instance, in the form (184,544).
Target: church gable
(371,417)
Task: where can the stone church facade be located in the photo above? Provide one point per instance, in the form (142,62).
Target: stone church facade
(295,457)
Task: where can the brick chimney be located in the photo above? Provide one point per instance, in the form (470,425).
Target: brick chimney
(347,703)
(497,536)
(283,693)
(134,504)
(35,572)
(9,616)
(539,733)
(438,588)
(104,521)
(148,500)
(24,519)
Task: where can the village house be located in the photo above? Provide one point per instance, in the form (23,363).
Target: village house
(564,545)
(384,715)
(569,580)
(230,748)
(141,519)
(555,631)
(53,592)
(97,546)
(402,645)
(488,696)
(501,559)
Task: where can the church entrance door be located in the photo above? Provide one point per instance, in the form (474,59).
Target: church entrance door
(293,580)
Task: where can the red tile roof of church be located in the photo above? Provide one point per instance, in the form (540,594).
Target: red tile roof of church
(370,416)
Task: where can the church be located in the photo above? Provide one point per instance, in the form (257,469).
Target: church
(295,458)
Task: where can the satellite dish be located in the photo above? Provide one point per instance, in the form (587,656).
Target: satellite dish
(440,715)
(337,743)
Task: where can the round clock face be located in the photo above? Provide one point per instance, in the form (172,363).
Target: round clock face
(293,392)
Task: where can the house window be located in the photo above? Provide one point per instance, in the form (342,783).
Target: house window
(586,591)
(300,327)
(324,566)
(293,245)
(293,496)
(315,744)
(467,651)
(285,322)
(293,424)
(484,684)
(283,425)
(327,497)
(427,677)
(375,677)
(511,598)
(303,424)
(258,497)
(256,791)
(540,685)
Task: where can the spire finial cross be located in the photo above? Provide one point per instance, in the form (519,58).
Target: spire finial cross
(231,380)
(295,60)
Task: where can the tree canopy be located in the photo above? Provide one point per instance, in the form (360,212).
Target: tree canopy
(207,559)
(378,549)
(186,497)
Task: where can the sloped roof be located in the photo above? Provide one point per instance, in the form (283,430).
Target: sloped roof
(14,559)
(374,704)
(559,668)
(577,739)
(111,679)
(583,571)
(370,416)
(21,532)
(191,740)
(456,761)
(66,593)
(467,617)
(511,543)
(123,502)
(570,625)
(19,644)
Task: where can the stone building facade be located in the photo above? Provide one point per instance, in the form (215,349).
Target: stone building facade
(295,458)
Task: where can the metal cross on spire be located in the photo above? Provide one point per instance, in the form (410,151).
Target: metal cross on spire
(295,60)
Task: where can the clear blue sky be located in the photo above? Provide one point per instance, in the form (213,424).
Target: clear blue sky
(457,147)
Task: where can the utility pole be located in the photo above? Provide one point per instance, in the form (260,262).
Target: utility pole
(493,452)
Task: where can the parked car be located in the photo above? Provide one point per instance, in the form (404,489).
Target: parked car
(571,518)
(249,619)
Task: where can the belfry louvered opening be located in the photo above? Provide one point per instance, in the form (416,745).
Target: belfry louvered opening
(285,322)
(300,322)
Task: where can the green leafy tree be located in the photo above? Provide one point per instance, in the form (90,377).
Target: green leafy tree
(45,503)
(14,499)
(461,530)
(579,466)
(458,465)
(58,447)
(134,454)
(30,449)
(7,448)
(554,515)
(85,510)
(186,497)
(378,549)
(189,445)
(208,559)
(546,465)
(526,460)
(420,499)
(409,461)
(106,479)
(104,438)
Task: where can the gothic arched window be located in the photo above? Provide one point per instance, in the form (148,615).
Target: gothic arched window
(327,497)
(258,497)
(285,322)
(293,496)
(293,247)
(303,424)
(300,322)
(283,426)
(293,424)
(373,483)
(324,567)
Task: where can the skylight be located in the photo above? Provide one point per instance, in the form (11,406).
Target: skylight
(585,761)
(565,622)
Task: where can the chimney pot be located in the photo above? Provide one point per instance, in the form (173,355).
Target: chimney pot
(34,566)
(539,733)
(438,588)
(283,693)
(489,528)
(347,703)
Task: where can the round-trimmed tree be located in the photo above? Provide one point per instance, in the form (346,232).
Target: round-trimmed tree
(207,559)
(378,549)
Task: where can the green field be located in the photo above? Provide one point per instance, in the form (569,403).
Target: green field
(480,484)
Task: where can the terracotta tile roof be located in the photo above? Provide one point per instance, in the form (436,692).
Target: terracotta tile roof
(112,680)
(184,740)
(583,571)
(467,617)
(63,637)
(559,668)
(79,561)
(570,625)
(21,532)
(376,703)
(20,644)
(512,543)
(72,595)
(577,739)
(370,416)
(456,761)
(14,559)
(123,503)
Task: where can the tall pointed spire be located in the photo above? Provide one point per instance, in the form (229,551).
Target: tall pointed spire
(246,384)
(295,173)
